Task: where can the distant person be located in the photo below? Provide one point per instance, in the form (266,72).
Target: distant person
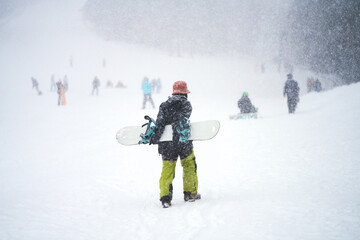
(291,91)
(147,91)
(119,84)
(153,84)
(158,85)
(317,86)
(96,85)
(35,85)
(309,85)
(256,67)
(109,84)
(66,83)
(61,93)
(245,104)
(52,84)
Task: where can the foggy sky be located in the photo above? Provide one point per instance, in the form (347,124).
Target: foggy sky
(232,26)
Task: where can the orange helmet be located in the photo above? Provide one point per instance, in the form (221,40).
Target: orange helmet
(180,87)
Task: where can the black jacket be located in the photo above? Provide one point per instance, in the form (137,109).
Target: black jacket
(245,104)
(291,89)
(170,112)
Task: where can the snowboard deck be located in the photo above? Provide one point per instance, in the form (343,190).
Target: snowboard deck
(200,131)
(253,114)
(244,116)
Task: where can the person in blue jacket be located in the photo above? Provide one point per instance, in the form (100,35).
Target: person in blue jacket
(147,91)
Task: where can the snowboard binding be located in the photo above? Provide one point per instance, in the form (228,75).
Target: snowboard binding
(184,130)
(149,133)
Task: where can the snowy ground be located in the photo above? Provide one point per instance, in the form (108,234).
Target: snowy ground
(64,176)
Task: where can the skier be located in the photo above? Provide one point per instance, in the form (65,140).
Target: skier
(147,90)
(96,84)
(291,90)
(176,111)
(245,104)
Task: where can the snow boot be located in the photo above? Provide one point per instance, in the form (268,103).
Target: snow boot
(191,197)
(166,201)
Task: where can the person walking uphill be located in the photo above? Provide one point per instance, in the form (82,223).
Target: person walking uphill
(176,111)
(291,90)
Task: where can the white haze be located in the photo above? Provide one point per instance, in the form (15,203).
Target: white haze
(64,176)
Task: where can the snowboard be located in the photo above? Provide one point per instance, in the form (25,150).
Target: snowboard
(199,131)
(245,115)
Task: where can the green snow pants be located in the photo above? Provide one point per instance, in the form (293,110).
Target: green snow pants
(190,179)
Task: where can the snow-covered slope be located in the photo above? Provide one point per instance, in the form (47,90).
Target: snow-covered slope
(64,176)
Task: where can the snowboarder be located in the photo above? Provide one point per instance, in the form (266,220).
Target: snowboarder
(96,84)
(147,90)
(291,90)
(35,85)
(176,111)
(245,104)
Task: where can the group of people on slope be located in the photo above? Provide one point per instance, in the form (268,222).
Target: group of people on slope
(177,109)
(313,85)
(119,84)
(61,86)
